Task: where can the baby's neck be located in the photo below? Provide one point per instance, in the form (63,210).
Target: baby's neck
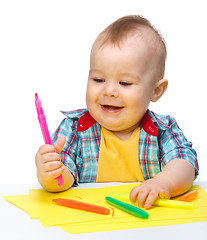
(125,134)
(122,136)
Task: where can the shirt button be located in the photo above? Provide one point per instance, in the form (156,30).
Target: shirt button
(151,129)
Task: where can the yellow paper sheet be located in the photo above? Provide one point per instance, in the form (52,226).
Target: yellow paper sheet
(39,205)
(113,226)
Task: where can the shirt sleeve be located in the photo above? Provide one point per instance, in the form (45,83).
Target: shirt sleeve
(174,145)
(68,129)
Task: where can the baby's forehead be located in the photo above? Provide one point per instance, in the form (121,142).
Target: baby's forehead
(141,37)
(147,40)
(144,42)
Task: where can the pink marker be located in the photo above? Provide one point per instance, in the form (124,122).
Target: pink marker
(45,131)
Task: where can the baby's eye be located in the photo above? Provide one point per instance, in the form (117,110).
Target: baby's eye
(125,83)
(98,80)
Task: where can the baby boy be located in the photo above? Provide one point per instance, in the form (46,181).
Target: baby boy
(117,138)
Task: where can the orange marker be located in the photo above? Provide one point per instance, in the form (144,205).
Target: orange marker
(81,206)
(188,197)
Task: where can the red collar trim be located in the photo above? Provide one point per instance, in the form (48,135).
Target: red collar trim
(86,121)
(148,125)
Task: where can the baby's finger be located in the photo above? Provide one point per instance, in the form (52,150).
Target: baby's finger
(150,199)
(60,144)
(142,196)
(55,173)
(52,166)
(46,148)
(164,194)
(48,157)
(133,194)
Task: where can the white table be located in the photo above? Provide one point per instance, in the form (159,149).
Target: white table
(16,224)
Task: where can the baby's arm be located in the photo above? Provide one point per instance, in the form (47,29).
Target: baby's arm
(175,178)
(49,166)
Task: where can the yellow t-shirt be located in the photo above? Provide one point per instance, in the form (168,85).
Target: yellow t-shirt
(118,159)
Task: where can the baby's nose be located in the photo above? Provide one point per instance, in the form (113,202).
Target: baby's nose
(111,89)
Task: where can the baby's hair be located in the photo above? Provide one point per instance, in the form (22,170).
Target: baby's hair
(119,30)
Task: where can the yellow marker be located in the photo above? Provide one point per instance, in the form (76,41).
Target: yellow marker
(159,202)
(173,203)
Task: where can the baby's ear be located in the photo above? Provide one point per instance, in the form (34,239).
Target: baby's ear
(160,88)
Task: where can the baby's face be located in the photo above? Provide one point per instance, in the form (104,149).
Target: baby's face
(120,85)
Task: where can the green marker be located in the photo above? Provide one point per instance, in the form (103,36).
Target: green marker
(127,208)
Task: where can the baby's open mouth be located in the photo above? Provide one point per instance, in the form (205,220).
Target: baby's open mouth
(111,108)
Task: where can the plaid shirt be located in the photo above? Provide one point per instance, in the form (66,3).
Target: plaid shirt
(160,141)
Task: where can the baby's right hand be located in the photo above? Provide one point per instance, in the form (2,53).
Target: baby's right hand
(48,160)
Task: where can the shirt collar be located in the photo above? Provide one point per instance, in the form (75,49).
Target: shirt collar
(151,122)
(75,113)
(161,121)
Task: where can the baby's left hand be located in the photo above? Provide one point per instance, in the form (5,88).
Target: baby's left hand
(148,191)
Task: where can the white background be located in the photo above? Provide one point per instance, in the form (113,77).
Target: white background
(45,47)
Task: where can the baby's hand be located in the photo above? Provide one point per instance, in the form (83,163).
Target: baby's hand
(148,191)
(48,161)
